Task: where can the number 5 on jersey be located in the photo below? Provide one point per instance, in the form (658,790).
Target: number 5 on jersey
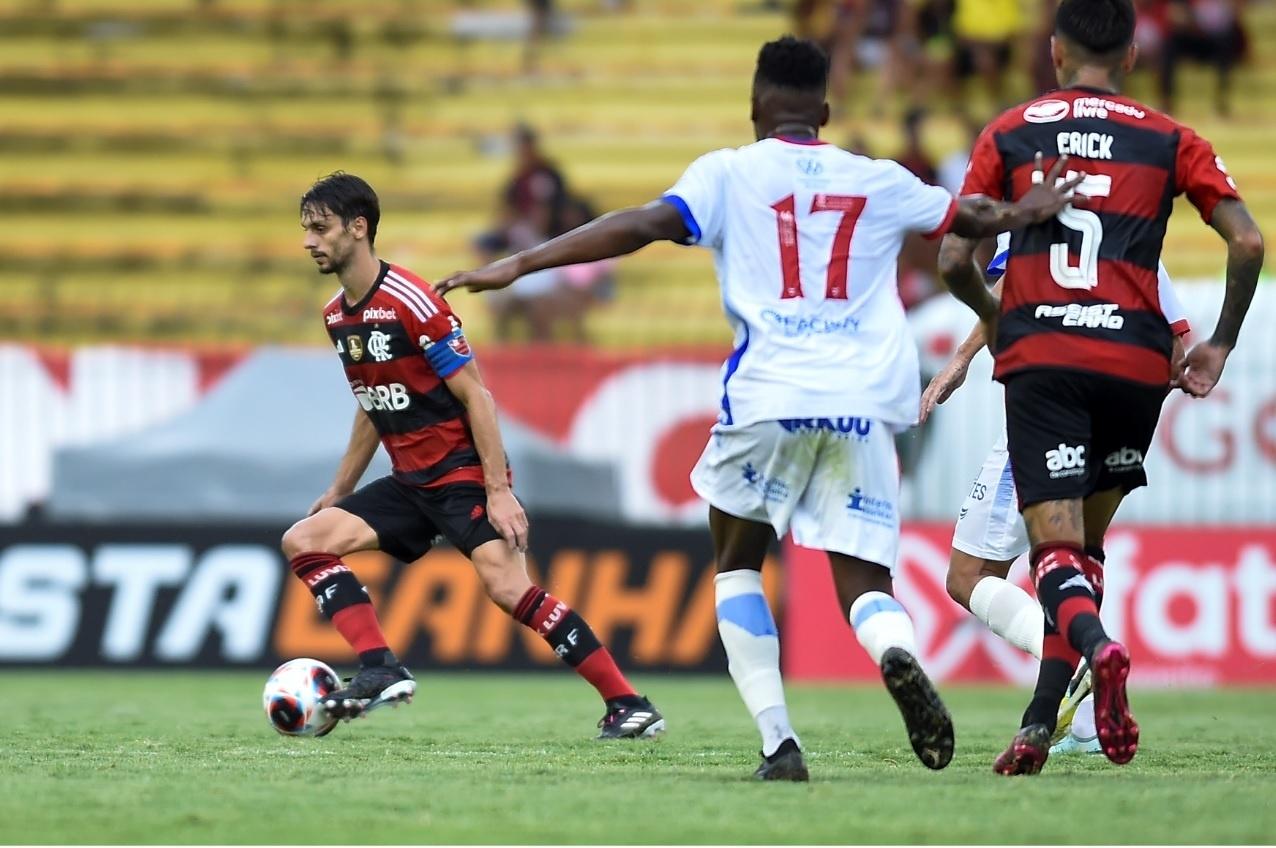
(839,262)
(1084,275)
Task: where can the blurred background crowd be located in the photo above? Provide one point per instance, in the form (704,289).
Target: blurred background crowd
(152,150)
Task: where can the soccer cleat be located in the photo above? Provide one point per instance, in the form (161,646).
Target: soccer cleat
(634,720)
(375,686)
(1078,689)
(1118,732)
(930,727)
(1073,744)
(785,764)
(1027,753)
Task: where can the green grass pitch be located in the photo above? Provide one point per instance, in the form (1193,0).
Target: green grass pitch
(171,757)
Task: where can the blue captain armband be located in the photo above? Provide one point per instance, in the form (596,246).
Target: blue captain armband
(449,354)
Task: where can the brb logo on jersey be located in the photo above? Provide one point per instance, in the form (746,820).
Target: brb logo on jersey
(389,398)
(1066,461)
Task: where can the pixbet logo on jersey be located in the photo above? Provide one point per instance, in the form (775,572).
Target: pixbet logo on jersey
(1066,461)
(379,313)
(388,398)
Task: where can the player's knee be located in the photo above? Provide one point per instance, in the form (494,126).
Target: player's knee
(307,536)
(959,586)
(504,579)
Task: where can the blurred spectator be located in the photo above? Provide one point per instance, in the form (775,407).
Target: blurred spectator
(536,206)
(1206,31)
(914,156)
(540,15)
(858,34)
(951,172)
(929,45)
(581,287)
(986,31)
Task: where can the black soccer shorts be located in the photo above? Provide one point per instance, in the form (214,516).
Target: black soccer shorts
(1074,433)
(408,520)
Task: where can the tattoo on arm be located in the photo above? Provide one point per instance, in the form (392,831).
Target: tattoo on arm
(1244,263)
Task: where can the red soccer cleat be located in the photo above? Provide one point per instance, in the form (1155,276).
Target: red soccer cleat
(1118,731)
(1027,752)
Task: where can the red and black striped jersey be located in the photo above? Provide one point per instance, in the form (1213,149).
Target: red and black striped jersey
(398,344)
(1081,288)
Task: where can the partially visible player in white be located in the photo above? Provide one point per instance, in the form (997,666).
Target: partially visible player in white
(990,533)
(805,238)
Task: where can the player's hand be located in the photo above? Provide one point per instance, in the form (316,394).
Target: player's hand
(505,513)
(498,275)
(1202,368)
(943,385)
(1048,195)
(327,499)
(1178,359)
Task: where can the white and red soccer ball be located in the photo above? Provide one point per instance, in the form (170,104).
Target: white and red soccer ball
(293,695)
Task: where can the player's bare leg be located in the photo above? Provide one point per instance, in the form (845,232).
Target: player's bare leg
(503,572)
(314,547)
(752,641)
(885,630)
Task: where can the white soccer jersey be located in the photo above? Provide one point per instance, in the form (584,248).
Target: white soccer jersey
(805,238)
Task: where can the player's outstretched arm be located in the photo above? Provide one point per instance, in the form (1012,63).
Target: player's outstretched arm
(1205,361)
(614,234)
(982,217)
(503,509)
(953,375)
(359,452)
(958,270)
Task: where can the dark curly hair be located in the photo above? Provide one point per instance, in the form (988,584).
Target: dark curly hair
(794,63)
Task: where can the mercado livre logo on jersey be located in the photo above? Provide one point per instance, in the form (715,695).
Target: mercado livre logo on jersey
(1046,111)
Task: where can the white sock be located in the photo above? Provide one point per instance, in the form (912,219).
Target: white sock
(880,623)
(1010,612)
(753,652)
(1083,720)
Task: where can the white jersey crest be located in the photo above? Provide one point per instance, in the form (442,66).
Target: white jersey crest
(805,238)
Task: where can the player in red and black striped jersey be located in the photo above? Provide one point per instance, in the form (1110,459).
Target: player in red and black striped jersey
(420,395)
(1080,340)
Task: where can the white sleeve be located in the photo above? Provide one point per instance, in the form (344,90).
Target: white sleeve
(699,197)
(1171,308)
(922,208)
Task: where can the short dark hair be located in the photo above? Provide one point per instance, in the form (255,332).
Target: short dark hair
(346,196)
(795,63)
(1100,27)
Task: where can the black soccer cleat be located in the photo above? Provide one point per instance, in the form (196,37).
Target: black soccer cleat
(373,687)
(631,718)
(785,764)
(1027,753)
(930,727)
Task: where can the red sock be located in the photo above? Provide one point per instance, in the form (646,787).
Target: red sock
(358,625)
(342,598)
(573,641)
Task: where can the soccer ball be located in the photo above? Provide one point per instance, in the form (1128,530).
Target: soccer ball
(293,694)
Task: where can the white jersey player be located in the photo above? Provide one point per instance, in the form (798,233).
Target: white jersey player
(990,533)
(805,238)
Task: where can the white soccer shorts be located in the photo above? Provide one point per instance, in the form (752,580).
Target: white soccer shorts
(833,481)
(989,525)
